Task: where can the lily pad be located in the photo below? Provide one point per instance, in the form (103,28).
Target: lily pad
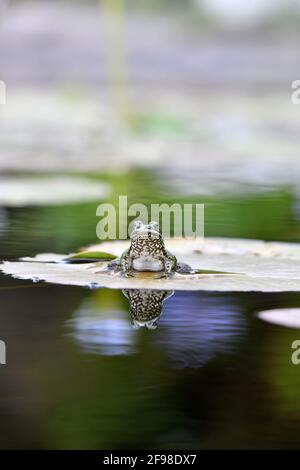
(49,190)
(86,256)
(288,317)
(253,266)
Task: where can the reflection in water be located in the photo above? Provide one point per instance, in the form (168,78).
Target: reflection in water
(3,221)
(102,332)
(146,306)
(195,326)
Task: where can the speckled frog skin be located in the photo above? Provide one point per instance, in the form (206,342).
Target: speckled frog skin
(147,251)
(146,306)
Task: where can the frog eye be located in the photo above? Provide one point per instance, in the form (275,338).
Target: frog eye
(137,224)
(152,325)
(154,225)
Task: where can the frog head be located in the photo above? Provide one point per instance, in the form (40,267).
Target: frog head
(140,230)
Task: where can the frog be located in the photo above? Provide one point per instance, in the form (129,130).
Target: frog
(146,306)
(147,252)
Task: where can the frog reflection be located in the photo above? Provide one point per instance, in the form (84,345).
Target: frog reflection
(146,306)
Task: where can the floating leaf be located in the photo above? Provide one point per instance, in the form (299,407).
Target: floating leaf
(87,256)
(40,190)
(211,271)
(222,265)
(289,317)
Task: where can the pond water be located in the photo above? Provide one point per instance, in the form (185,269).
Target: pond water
(206,374)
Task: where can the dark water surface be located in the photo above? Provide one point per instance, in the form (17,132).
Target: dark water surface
(78,375)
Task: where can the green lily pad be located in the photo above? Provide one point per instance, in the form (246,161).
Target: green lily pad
(211,271)
(87,256)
